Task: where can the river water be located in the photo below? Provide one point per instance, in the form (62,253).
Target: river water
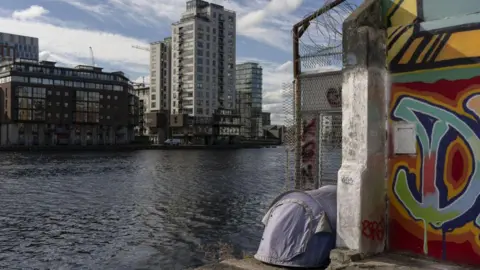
(133,210)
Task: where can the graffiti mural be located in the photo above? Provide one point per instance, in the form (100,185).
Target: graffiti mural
(309,153)
(435,194)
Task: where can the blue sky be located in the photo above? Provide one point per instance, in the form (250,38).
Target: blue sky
(67,28)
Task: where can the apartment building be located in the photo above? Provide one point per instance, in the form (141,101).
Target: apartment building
(43,104)
(249,98)
(203,60)
(160,75)
(17,46)
(203,70)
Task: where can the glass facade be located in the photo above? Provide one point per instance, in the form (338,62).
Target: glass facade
(249,98)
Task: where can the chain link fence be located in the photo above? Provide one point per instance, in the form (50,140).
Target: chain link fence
(320,114)
(289,135)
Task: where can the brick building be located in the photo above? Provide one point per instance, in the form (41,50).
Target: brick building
(42,104)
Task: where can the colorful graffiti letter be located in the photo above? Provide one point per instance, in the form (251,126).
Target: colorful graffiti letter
(434,195)
(437,129)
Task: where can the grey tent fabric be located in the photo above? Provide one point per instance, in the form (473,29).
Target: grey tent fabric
(300,228)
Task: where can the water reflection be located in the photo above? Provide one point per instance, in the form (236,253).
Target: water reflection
(145,209)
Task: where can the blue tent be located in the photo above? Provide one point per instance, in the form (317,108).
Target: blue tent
(300,228)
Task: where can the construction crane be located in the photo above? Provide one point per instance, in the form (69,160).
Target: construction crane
(141,48)
(91,56)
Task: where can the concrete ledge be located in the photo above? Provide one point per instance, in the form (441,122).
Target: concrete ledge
(353,260)
(348,259)
(234,264)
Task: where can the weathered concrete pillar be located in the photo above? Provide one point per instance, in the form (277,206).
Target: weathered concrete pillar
(41,134)
(111,135)
(28,135)
(95,135)
(83,135)
(3,134)
(104,136)
(12,134)
(73,135)
(361,187)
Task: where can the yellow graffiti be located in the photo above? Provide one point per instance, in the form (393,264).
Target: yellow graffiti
(403,12)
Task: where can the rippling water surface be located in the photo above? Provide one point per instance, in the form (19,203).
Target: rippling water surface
(132,210)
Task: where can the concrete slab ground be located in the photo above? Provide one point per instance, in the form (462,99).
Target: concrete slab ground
(385,261)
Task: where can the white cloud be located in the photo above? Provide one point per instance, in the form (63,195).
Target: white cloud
(99,11)
(73,44)
(264,25)
(33,12)
(260,20)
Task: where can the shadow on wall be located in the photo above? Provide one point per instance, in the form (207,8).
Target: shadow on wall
(435,63)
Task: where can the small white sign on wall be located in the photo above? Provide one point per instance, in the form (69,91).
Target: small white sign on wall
(404,139)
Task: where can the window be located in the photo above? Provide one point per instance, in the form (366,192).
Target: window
(30,103)
(87,107)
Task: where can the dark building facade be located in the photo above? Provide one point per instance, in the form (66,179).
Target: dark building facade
(266,120)
(48,105)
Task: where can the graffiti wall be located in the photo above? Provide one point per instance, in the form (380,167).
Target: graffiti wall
(435,67)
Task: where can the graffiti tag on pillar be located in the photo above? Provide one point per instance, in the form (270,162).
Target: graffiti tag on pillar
(373,230)
(347,180)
